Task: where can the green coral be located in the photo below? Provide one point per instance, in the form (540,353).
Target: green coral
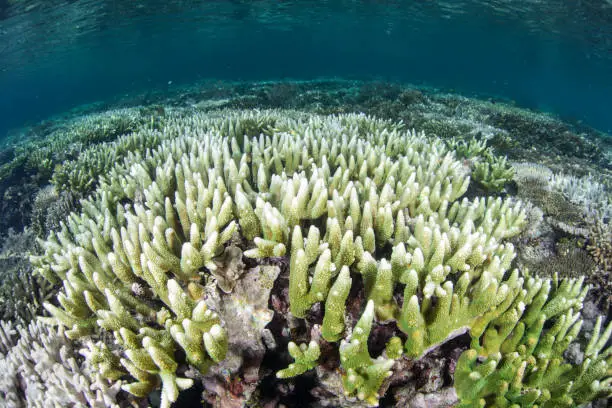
(522,362)
(490,171)
(305,356)
(81,174)
(333,321)
(493,173)
(363,375)
(468,149)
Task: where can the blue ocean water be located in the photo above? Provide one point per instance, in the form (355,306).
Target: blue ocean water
(135,222)
(550,55)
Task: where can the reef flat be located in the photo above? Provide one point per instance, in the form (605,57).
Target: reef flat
(324,243)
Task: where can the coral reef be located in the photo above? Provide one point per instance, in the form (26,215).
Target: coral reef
(523,362)
(576,206)
(493,173)
(81,175)
(40,368)
(352,226)
(22,293)
(39,153)
(50,208)
(42,151)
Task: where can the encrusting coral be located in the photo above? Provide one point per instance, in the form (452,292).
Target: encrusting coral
(353,202)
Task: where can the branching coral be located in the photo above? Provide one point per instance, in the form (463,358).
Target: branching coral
(50,208)
(82,174)
(40,369)
(350,200)
(305,355)
(490,171)
(468,149)
(493,173)
(67,141)
(21,292)
(523,348)
(364,375)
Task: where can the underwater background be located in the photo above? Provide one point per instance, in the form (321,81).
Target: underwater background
(312,204)
(551,55)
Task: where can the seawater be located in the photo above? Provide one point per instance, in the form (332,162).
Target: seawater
(550,55)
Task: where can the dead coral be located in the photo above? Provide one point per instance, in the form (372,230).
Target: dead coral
(229,268)
(246,315)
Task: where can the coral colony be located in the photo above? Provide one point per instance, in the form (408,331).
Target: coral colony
(346,230)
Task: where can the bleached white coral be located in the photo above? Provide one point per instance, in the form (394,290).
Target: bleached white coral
(586,191)
(532,173)
(38,369)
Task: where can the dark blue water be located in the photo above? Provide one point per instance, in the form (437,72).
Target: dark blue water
(549,55)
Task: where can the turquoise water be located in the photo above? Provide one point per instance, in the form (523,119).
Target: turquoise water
(551,55)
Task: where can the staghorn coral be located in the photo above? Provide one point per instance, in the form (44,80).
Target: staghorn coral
(41,151)
(364,375)
(493,173)
(355,204)
(522,350)
(305,356)
(468,149)
(41,155)
(22,293)
(80,176)
(97,288)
